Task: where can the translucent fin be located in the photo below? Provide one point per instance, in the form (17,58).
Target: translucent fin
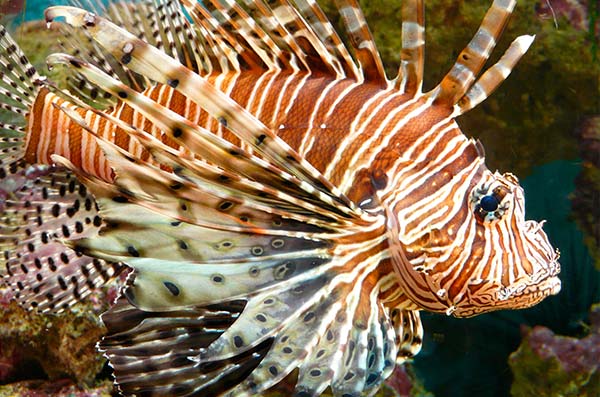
(36,219)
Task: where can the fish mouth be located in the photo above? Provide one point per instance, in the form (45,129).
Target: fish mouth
(511,298)
(521,294)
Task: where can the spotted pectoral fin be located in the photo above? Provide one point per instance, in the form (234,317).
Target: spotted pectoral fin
(322,318)
(35,222)
(330,327)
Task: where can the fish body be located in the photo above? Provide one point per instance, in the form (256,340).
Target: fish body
(282,203)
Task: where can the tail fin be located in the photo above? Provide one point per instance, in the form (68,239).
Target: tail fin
(40,206)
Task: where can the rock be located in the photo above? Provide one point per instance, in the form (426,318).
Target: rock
(60,388)
(49,346)
(550,365)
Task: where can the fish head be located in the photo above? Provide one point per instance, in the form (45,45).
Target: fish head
(464,247)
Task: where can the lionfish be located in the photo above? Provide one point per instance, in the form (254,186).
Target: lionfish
(287,209)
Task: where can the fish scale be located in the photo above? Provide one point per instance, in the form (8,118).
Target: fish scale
(285,206)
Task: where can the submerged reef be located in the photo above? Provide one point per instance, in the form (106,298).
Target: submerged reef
(547,364)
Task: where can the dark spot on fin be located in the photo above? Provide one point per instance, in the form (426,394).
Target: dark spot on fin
(132,251)
(173,289)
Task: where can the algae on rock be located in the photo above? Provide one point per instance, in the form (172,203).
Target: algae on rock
(557,366)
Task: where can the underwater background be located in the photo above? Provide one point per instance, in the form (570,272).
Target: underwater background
(543,124)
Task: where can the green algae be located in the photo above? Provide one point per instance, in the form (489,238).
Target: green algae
(37,42)
(538,377)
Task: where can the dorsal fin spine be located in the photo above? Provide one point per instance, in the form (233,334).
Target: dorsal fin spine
(280,35)
(362,41)
(410,75)
(321,26)
(495,75)
(472,58)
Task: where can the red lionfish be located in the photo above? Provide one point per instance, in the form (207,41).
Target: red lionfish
(285,206)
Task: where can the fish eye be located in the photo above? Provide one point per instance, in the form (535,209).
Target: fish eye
(490,203)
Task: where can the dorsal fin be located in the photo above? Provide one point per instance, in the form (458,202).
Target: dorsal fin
(472,58)
(410,75)
(235,33)
(362,41)
(264,16)
(318,55)
(321,26)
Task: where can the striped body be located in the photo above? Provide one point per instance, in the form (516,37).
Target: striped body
(282,203)
(350,130)
(341,126)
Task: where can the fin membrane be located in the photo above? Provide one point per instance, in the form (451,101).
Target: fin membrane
(48,209)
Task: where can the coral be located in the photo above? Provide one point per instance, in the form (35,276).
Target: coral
(577,12)
(404,383)
(550,365)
